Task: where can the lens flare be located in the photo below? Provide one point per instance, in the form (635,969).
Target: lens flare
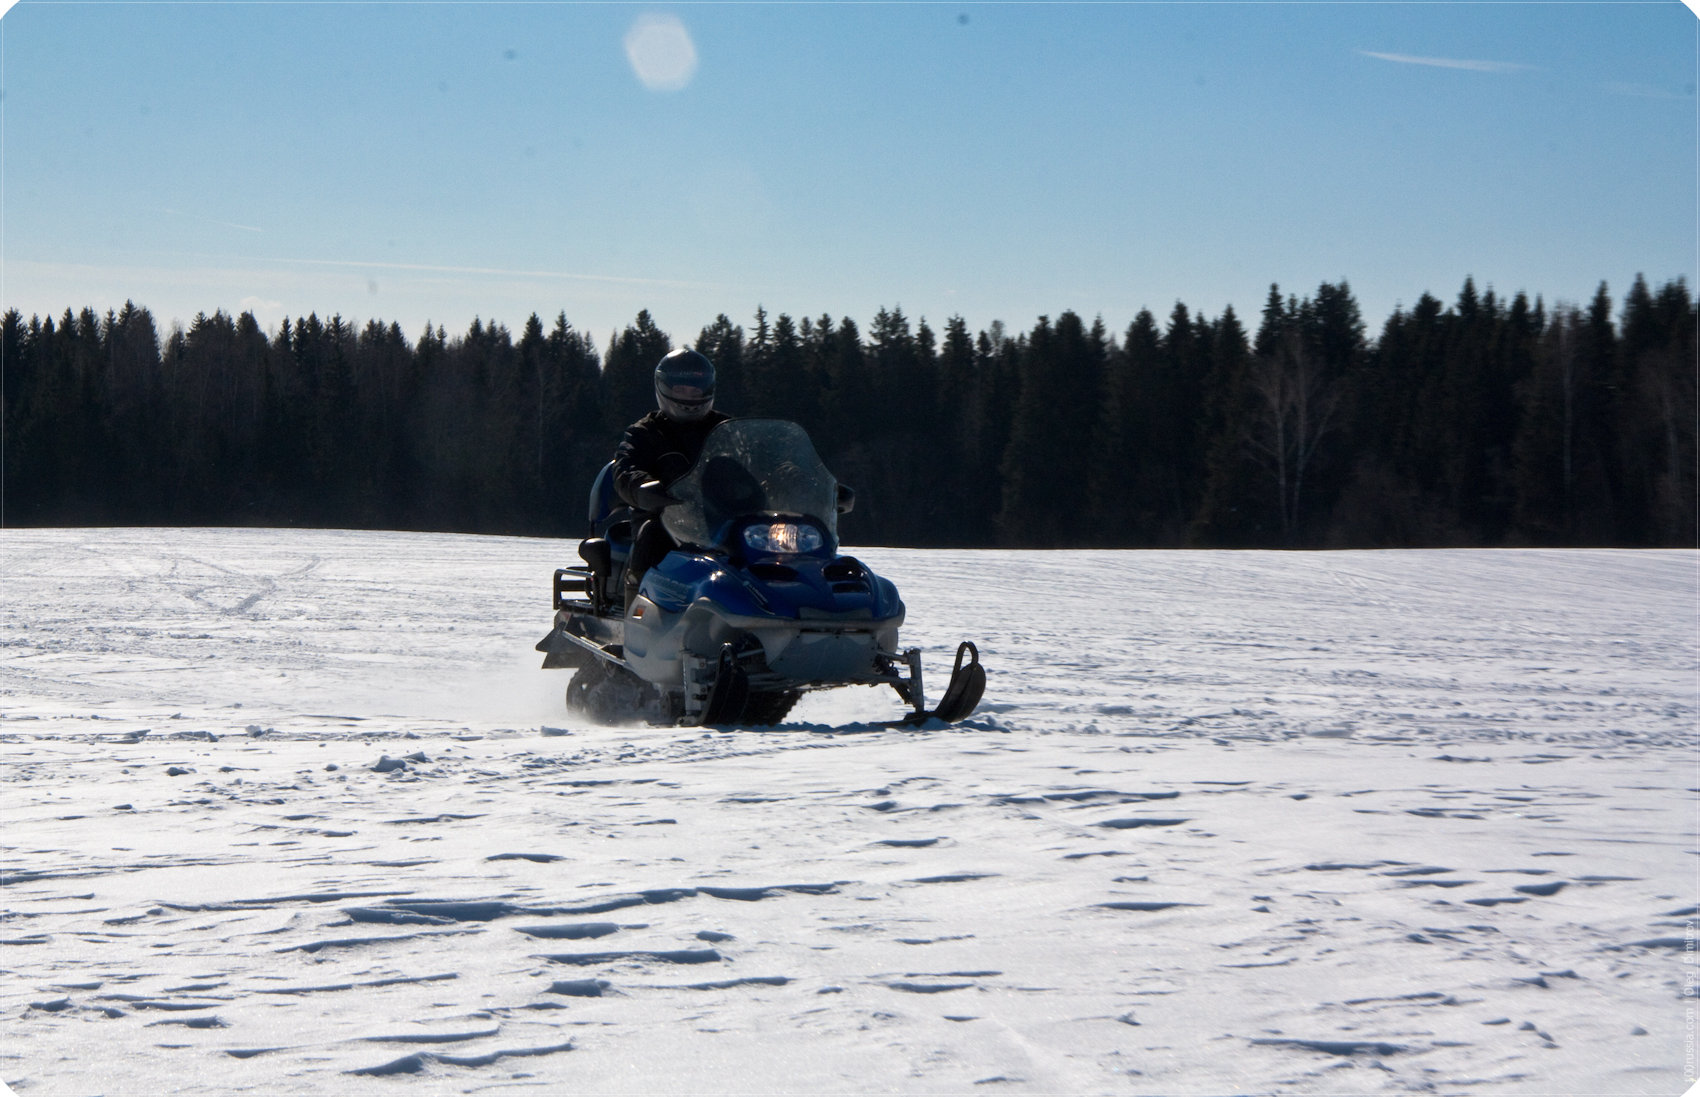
(661,52)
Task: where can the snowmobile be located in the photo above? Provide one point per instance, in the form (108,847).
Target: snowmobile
(754,608)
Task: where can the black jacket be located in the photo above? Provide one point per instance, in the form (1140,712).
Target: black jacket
(652,438)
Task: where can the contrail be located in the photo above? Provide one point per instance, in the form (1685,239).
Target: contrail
(1448,62)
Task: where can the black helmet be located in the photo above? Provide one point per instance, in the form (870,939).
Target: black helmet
(684,385)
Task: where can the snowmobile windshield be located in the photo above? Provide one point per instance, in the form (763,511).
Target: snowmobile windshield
(750,467)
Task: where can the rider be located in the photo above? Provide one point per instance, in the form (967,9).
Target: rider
(661,447)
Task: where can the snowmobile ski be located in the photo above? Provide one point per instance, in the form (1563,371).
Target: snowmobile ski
(961,696)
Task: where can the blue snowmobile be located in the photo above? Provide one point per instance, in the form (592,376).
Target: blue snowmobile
(753,609)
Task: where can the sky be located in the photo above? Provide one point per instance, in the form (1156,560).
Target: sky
(441,162)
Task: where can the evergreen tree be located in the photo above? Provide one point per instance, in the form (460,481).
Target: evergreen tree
(628,372)
(722,342)
(1547,455)
(790,390)
(576,446)
(1232,511)
(536,396)
(386,382)
(1658,416)
(1489,421)
(843,417)
(1166,380)
(1598,517)
(965,464)
(15,458)
(820,354)
(58,421)
(1045,468)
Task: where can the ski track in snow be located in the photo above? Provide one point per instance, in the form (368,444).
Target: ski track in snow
(296,811)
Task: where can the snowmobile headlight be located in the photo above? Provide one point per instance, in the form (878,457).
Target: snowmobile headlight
(783,538)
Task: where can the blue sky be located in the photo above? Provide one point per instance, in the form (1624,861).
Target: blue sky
(416,162)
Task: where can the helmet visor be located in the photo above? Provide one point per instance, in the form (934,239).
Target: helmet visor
(685,403)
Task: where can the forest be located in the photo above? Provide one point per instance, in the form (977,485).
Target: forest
(1484,422)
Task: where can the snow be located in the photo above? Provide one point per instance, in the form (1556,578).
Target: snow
(1226,822)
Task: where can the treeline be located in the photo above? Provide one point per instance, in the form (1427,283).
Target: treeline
(1485,422)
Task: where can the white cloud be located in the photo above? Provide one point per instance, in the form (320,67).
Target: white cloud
(259,305)
(661,52)
(1448,62)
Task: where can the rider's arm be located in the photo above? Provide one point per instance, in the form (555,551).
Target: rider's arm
(636,465)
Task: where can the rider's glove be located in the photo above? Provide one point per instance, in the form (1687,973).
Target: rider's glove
(651,496)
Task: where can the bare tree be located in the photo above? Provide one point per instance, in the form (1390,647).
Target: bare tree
(1293,411)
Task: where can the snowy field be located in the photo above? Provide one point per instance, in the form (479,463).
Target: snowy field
(296,812)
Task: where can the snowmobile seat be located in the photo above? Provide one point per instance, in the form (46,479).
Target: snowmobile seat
(607,509)
(595,552)
(607,559)
(610,540)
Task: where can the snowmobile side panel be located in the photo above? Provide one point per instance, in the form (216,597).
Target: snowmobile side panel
(819,656)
